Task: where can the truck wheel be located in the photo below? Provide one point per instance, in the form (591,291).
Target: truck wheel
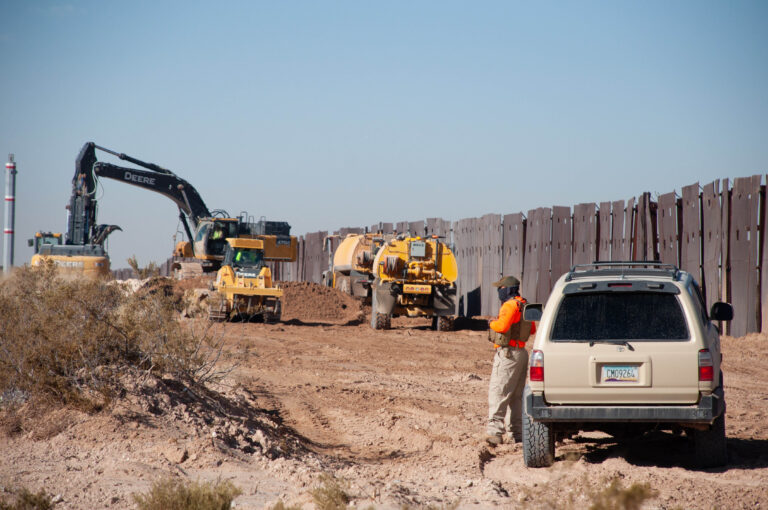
(710,445)
(383,321)
(445,323)
(538,441)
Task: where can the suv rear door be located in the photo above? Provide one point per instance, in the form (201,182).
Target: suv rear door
(620,342)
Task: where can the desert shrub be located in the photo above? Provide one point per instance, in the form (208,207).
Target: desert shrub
(150,270)
(616,497)
(174,494)
(26,500)
(281,506)
(330,495)
(71,340)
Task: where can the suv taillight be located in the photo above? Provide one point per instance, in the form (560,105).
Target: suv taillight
(706,367)
(536,366)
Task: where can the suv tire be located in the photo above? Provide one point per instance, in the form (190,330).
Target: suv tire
(538,440)
(710,445)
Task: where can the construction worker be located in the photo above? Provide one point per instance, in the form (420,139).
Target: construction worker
(509,333)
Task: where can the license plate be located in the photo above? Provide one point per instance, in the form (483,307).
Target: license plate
(620,373)
(412,288)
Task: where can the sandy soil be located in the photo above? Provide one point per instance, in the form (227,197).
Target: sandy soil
(397,416)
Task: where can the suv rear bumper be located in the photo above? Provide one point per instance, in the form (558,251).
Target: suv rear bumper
(708,408)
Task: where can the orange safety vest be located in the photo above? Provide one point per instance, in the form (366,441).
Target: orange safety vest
(510,329)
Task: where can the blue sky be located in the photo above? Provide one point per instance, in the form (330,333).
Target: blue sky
(333,114)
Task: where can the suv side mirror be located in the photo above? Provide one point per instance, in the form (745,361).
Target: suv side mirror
(532,312)
(721,312)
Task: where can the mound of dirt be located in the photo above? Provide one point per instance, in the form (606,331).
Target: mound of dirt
(311,302)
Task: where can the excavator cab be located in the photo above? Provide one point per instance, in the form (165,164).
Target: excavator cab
(45,238)
(211,237)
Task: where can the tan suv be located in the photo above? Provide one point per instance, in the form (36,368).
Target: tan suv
(624,348)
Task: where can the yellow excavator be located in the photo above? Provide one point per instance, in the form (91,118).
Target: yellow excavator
(414,277)
(244,285)
(81,251)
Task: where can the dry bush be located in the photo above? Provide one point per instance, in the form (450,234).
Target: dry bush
(26,500)
(331,495)
(173,494)
(281,506)
(615,497)
(71,340)
(149,271)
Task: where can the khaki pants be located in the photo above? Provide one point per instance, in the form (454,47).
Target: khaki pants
(505,392)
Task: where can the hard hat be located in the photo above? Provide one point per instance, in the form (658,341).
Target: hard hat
(507,281)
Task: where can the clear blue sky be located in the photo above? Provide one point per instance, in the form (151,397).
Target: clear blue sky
(333,114)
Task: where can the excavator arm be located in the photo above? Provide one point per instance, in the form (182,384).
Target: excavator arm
(157,179)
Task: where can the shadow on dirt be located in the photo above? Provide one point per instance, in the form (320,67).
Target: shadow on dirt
(299,322)
(470,324)
(667,450)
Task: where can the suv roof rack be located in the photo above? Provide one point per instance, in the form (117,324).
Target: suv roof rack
(623,268)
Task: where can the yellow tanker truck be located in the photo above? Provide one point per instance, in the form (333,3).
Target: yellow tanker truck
(414,277)
(351,264)
(244,285)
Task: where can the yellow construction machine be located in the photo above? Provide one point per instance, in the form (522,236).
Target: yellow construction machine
(414,277)
(351,263)
(244,285)
(83,260)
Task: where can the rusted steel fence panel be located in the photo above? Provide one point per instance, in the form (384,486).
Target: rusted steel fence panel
(416,228)
(401,227)
(513,243)
(764,259)
(584,234)
(668,244)
(545,256)
(343,232)
(530,280)
(315,259)
(690,232)
(712,229)
(644,246)
(536,276)
(603,232)
(629,229)
(468,288)
(382,227)
(619,246)
(490,254)
(562,245)
(743,254)
(440,228)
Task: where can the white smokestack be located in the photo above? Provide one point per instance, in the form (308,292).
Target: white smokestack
(10,209)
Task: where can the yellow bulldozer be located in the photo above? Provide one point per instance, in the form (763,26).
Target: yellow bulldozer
(244,286)
(414,277)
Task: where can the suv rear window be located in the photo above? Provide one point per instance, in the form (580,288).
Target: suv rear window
(619,316)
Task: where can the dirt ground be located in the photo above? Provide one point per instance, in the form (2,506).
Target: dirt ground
(397,417)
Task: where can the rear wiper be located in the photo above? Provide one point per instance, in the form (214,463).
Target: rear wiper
(620,342)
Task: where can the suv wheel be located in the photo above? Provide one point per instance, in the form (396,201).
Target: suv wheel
(538,441)
(709,445)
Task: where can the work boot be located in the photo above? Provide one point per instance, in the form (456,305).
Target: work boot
(493,440)
(513,438)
